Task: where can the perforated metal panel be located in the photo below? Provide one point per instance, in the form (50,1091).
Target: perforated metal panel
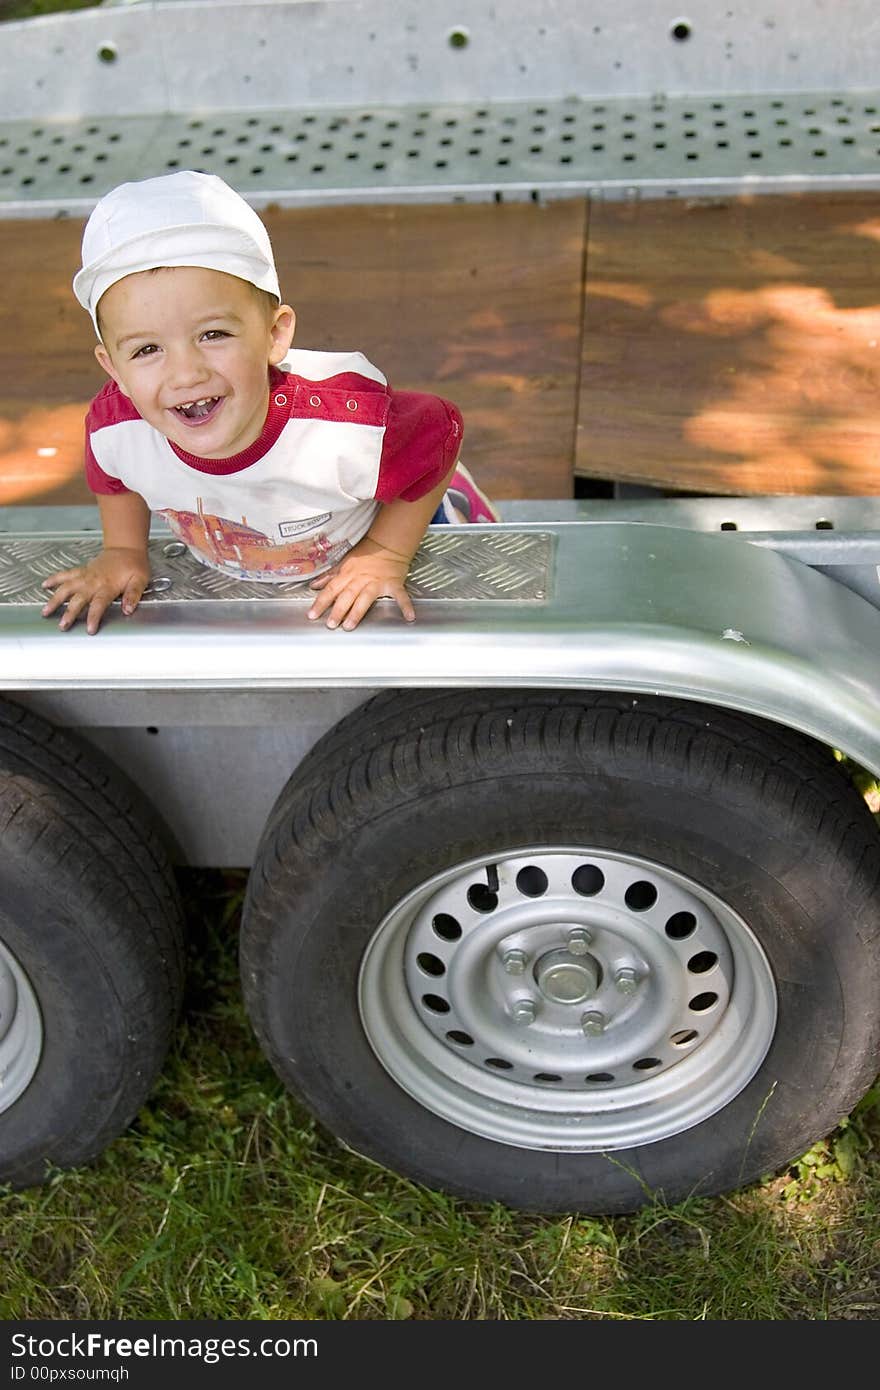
(316,101)
(446,152)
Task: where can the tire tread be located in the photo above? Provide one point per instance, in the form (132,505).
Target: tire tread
(72,821)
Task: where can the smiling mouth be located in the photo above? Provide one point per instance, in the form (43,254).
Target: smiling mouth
(197,411)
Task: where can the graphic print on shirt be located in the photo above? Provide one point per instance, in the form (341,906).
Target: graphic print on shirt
(237,548)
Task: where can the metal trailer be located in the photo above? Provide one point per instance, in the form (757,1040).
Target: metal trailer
(562,897)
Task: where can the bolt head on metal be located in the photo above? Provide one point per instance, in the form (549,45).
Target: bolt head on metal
(593,1023)
(524,1011)
(578,941)
(514,962)
(627,980)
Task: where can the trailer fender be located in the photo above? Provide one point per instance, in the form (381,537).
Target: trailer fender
(628,607)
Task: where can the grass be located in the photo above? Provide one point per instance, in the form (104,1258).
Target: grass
(225,1201)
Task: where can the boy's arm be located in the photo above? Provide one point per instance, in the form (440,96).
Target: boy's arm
(377,566)
(122,567)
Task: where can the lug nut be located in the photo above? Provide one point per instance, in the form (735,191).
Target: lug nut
(514,962)
(593,1023)
(578,941)
(627,980)
(524,1011)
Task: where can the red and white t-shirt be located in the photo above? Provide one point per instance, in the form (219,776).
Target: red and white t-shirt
(337,442)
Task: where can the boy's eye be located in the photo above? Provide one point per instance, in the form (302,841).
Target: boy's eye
(213,334)
(146,351)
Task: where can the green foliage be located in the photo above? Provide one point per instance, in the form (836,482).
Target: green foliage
(27,9)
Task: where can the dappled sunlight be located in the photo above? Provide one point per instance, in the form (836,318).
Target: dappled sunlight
(801,395)
(733,346)
(501,382)
(626,292)
(805,308)
(786,443)
(486,320)
(749,439)
(41,452)
(465,356)
(763,262)
(870,228)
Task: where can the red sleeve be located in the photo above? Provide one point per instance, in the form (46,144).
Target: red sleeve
(102,411)
(422,441)
(99,481)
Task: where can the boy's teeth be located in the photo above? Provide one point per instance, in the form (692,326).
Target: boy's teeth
(193,409)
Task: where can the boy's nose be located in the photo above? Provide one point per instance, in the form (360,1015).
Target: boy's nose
(186,367)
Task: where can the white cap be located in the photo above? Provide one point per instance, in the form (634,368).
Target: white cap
(177,219)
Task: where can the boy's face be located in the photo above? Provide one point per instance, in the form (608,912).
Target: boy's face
(192,349)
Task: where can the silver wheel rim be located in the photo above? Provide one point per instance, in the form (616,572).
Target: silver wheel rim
(21,1030)
(567,999)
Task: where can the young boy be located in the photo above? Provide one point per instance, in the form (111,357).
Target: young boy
(269,463)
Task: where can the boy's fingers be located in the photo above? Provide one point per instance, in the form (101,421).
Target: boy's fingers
(342,604)
(134,592)
(367,597)
(405,604)
(97,609)
(361,606)
(93,590)
(54,602)
(52,580)
(348,602)
(324,599)
(75,605)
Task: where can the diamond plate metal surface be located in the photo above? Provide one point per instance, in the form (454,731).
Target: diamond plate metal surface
(451,565)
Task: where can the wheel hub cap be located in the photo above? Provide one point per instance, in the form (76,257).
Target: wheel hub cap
(21,1030)
(567,999)
(567,979)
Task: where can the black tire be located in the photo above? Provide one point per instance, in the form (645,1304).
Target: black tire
(90,949)
(411,785)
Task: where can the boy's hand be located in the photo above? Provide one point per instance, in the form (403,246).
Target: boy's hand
(94,586)
(369,571)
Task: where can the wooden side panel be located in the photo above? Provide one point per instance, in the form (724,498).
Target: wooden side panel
(733,347)
(47,367)
(715,346)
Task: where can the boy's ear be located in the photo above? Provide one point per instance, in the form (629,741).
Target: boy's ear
(281,333)
(105,361)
